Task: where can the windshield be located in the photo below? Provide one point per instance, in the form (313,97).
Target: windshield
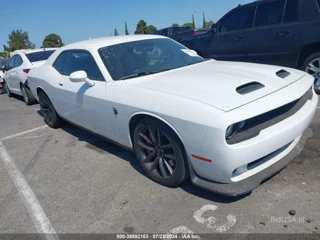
(140,58)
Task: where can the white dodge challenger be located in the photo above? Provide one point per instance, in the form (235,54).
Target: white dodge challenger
(228,126)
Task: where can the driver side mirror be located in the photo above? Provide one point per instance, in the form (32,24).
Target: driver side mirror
(4,68)
(81,76)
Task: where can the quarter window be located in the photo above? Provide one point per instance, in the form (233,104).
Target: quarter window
(269,13)
(291,13)
(18,61)
(238,20)
(11,63)
(72,61)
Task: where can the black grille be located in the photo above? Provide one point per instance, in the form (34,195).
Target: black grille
(256,124)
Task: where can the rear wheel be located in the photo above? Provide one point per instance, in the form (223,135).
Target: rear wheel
(51,118)
(10,94)
(27,95)
(160,152)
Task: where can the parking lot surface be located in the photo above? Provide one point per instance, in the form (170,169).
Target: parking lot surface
(70,181)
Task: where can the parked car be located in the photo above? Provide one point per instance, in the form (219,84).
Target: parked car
(277,32)
(18,68)
(3,63)
(176,33)
(228,125)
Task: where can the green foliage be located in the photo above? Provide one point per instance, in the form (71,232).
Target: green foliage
(126,29)
(208,24)
(188,25)
(175,25)
(18,39)
(52,41)
(142,28)
(116,33)
(204,23)
(193,24)
(151,29)
(4,54)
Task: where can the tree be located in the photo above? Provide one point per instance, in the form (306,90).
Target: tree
(141,28)
(116,32)
(151,29)
(52,41)
(193,24)
(18,39)
(204,23)
(188,25)
(126,29)
(175,25)
(4,55)
(209,24)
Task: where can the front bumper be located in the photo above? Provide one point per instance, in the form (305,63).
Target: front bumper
(248,184)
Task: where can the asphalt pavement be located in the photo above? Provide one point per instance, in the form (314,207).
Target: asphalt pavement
(70,181)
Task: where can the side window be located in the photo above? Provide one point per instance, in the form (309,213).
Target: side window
(269,13)
(11,63)
(18,61)
(72,61)
(291,13)
(59,62)
(238,20)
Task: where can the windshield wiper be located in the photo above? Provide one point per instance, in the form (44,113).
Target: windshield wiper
(140,74)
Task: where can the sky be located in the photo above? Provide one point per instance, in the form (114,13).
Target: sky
(77,20)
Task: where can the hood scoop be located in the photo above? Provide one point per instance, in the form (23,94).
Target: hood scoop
(283,74)
(249,87)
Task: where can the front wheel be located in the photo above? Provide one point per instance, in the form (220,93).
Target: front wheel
(51,118)
(160,152)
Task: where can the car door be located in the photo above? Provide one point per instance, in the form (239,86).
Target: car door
(78,102)
(10,74)
(18,70)
(229,42)
(271,41)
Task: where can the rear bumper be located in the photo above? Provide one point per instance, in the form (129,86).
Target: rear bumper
(248,184)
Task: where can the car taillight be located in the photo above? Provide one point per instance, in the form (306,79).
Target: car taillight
(194,33)
(26,70)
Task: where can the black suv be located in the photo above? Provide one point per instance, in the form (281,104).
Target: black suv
(277,32)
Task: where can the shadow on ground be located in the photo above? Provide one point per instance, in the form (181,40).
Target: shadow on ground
(99,144)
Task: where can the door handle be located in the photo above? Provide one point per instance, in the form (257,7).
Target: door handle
(284,33)
(238,38)
(61,83)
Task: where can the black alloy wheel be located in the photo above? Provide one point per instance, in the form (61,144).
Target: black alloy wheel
(51,117)
(160,152)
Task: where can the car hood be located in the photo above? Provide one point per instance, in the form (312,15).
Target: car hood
(224,85)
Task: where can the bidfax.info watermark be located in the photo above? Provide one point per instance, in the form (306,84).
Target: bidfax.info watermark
(289,219)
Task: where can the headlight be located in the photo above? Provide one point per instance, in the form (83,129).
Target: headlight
(229,131)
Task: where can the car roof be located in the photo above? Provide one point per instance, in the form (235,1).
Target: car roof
(26,51)
(108,41)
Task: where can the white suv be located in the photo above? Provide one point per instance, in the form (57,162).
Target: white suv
(18,68)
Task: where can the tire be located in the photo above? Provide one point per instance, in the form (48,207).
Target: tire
(166,165)
(51,118)
(27,95)
(9,93)
(312,58)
